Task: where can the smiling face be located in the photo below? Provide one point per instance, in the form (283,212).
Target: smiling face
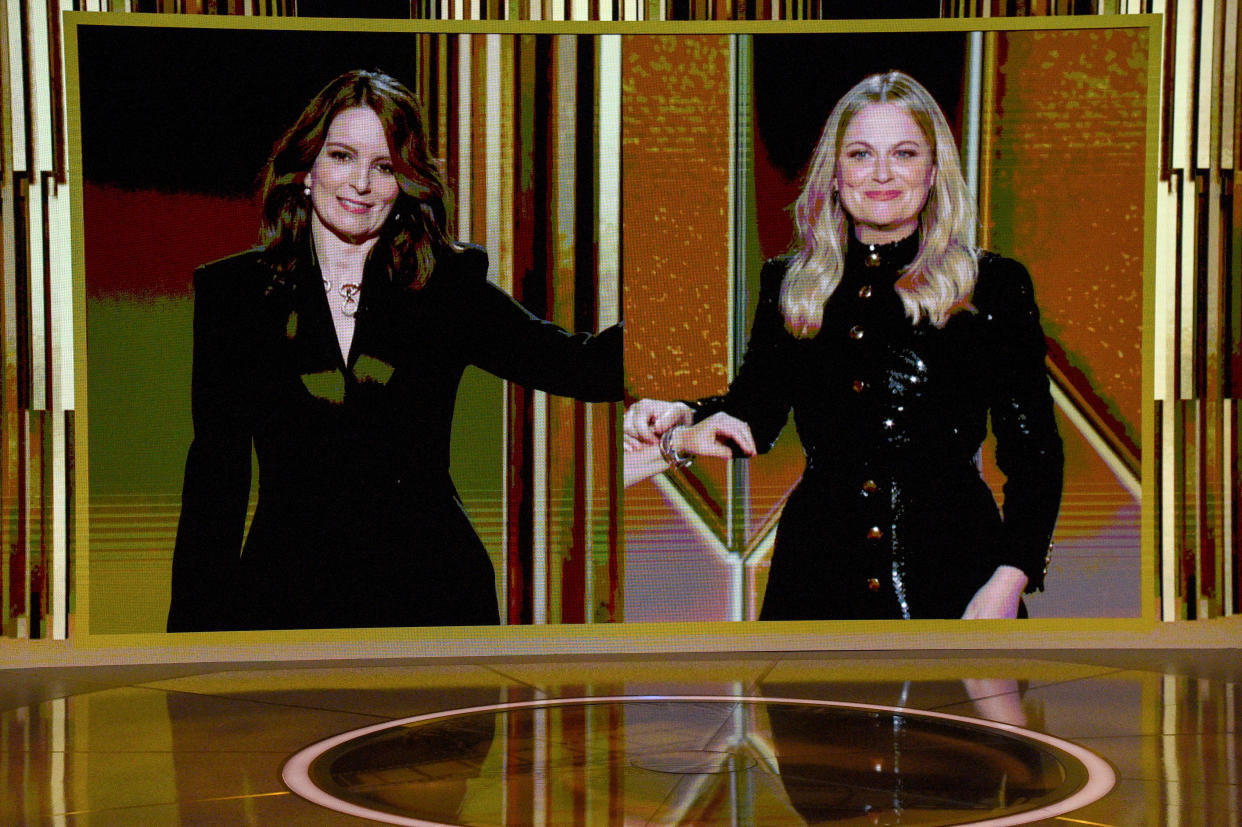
(352,185)
(885,170)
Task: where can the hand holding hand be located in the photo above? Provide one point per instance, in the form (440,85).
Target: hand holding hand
(715,436)
(999,597)
(647,419)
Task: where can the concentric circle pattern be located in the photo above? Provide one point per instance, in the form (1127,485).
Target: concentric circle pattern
(699,760)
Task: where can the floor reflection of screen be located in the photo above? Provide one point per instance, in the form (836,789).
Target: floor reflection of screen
(697,760)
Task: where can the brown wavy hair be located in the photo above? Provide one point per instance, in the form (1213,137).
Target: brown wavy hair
(416,231)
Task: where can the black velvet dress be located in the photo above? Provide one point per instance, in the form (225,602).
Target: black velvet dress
(357,522)
(891,518)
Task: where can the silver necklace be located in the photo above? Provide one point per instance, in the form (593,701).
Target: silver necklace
(348,291)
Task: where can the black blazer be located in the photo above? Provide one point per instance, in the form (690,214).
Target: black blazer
(357,522)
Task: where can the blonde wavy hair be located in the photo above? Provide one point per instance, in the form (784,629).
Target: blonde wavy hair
(941,279)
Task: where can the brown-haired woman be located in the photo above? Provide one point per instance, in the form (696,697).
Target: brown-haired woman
(336,347)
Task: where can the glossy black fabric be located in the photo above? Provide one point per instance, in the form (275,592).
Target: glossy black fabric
(891,518)
(358,522)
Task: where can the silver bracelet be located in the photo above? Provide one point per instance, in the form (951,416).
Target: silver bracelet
(674,458)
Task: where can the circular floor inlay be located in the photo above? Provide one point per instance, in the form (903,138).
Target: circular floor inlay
(697,760)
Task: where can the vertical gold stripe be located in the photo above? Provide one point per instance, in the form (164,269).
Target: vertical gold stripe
(11,131)
(16,93)
(1198,532)
(441,105)
(564,142)
(1186,285)
(498,157)
(1183,89)
(506,160)
(972,113)
(1206,83)
(497,209)
(489,199)
(36,296)
(465,145)
(58,566)
(7,90)
(25,513)
(988,103)
(38,100)
(1188,525)
(546,557)
(12,137)
(1210,318)
(60,296)
(1165,336)
(541,569)
(608,141)
(591,547)
(1213,515)
(10,422)
(608,230)
(1228,484)
(1170,563)
(60,353)
(735,475)
(1227,96)
(738,177)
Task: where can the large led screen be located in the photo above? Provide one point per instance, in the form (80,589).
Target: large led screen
(413,451)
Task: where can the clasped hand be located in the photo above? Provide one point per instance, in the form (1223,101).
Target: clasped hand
(648,419)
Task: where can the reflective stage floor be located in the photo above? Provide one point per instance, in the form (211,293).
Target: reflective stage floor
(849,738)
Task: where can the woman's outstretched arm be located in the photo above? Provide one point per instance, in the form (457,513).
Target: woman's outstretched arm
(504,338)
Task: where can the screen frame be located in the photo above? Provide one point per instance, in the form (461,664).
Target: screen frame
(729,636)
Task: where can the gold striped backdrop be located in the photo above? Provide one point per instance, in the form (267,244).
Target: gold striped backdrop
(1196,341)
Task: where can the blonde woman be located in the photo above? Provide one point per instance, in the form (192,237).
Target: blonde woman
(893,340)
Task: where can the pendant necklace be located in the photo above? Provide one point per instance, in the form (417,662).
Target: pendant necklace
(347,291)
